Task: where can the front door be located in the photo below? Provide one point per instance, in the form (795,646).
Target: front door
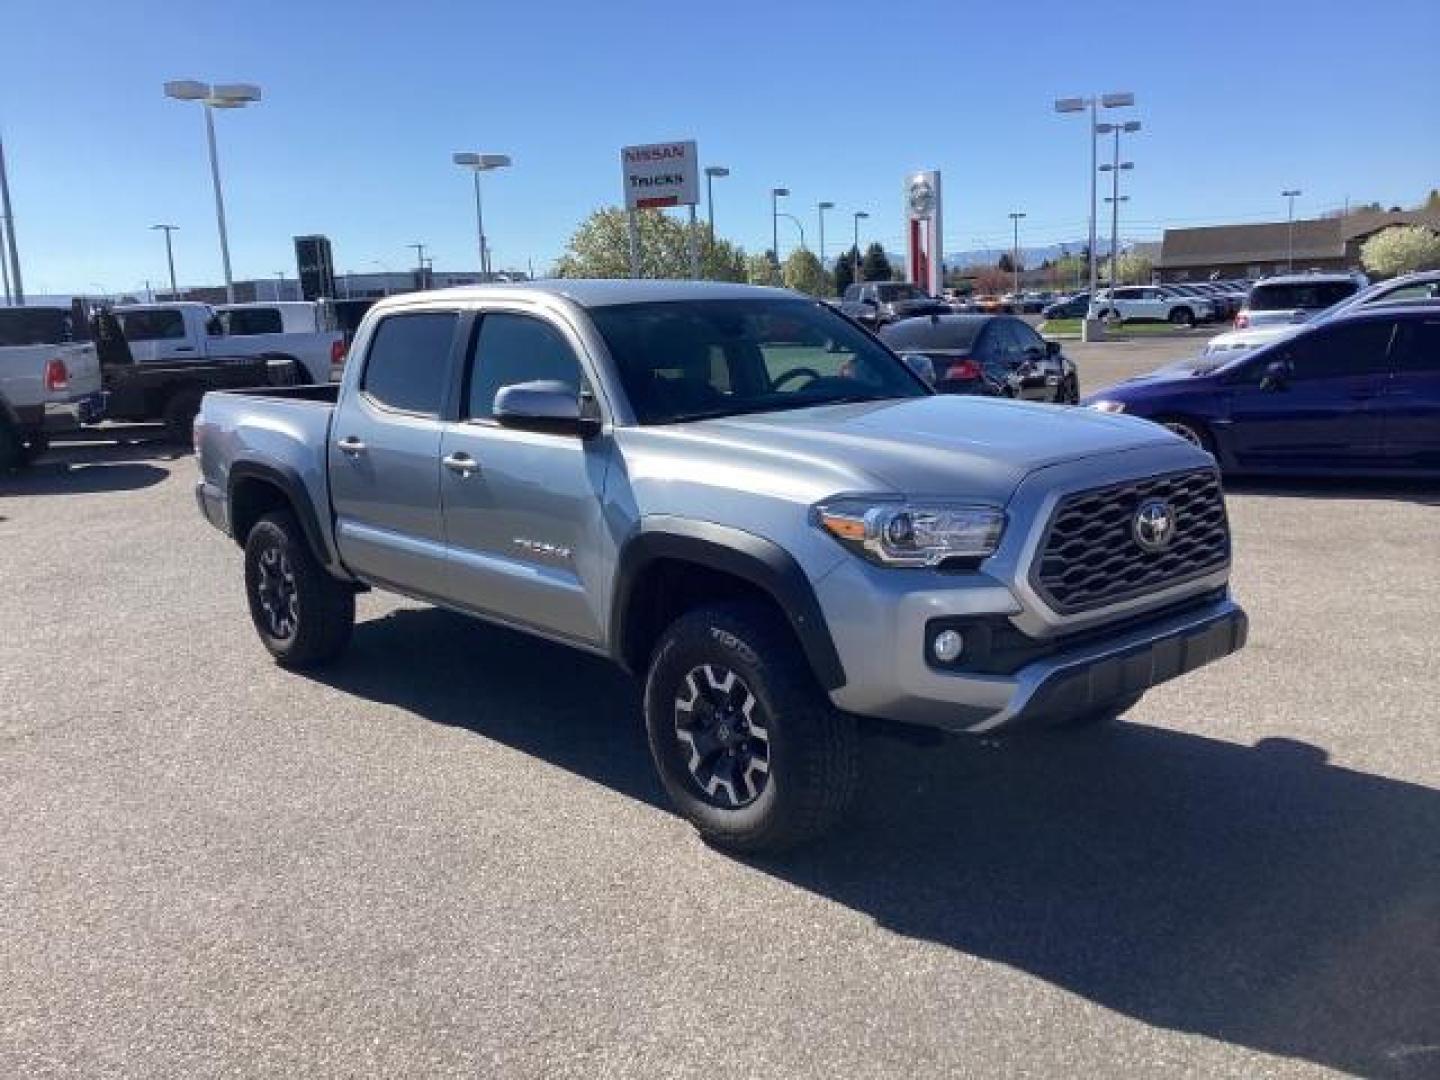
(524,510)
(1410,405)
(1324,412)
(384,454)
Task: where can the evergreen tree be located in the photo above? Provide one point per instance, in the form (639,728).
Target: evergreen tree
(876,264)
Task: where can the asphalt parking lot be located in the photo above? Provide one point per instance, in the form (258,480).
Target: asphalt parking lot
(449,854)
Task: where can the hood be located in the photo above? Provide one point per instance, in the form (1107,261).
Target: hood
(940,445)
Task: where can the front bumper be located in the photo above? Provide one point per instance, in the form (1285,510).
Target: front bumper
(212,505)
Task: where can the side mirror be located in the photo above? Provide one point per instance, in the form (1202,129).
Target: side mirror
(921,365)
(1277,375)
(546,406)
(1052,348)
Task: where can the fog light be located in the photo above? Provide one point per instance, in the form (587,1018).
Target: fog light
(947,646)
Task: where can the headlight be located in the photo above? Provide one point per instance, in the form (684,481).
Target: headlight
(1108,406)
(902,533)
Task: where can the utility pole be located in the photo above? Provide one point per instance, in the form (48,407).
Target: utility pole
(8,214)
(420,263)
(170,258)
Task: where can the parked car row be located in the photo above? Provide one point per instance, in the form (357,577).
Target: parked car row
(993,355)
(61,367)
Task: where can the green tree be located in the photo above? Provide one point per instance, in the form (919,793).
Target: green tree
(876,264)
(600,248)
(803,273)
(1401,250)
(1134,269)
(1069,272)
(844,272)
(762,269)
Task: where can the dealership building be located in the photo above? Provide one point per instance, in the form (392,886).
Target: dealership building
(1273,247)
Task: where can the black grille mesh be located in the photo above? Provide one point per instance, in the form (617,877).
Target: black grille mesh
(1089,557)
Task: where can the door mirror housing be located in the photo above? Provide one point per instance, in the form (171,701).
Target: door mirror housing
(1276,376)
(546,406)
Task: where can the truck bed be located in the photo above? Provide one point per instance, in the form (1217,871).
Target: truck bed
(283,431)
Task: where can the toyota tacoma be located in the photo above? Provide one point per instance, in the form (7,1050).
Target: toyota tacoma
(745,500)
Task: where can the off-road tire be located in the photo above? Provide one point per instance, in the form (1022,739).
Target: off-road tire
(322,614)
(813,752)
(179,414)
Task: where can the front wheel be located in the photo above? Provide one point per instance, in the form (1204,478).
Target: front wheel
(302,614)
(747,745)
(1182,317)
(1195,434)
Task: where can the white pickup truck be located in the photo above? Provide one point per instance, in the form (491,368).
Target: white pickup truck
(49,379)
(180,332)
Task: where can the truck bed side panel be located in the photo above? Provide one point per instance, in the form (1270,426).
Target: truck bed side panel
(286,432)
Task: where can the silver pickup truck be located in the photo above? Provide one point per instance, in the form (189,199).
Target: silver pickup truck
(741,497)
(49,379)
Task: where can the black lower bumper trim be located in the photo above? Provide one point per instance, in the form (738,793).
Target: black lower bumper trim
(1086,685)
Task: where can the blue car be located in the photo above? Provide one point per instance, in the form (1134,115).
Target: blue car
(1355,394)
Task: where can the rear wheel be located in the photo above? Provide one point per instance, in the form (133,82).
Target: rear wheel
(179,414)
(746,743)
(35,445)
(12,447)
(302,614)
(1182,316)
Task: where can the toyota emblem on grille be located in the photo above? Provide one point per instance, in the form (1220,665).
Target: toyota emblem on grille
(1154,525)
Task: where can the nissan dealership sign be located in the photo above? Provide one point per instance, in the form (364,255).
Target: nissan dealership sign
(662,174)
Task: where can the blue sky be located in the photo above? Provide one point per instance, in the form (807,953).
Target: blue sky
(365,102)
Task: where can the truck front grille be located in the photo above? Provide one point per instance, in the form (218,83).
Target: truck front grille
(1090,557)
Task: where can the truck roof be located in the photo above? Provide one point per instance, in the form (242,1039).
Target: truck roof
(599,292)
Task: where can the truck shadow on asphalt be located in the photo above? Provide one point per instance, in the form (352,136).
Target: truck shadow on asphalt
(1256,895)
(91,468)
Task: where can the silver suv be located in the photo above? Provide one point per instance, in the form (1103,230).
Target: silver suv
(745,500)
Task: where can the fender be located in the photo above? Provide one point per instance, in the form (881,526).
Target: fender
(761,562)
(288,481)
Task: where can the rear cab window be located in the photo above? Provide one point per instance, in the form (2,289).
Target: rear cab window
(407,366)
(245,322)
(161,324)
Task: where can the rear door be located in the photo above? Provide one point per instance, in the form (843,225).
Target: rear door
(384,453)
(1326,412)
(1410,405)
(523,509)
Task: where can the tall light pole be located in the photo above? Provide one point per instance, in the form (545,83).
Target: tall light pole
(1015,216)
(478,163)
(4,261)
(218,96)
(859,215)
(1115,167)
(711,172)
(1290,194)
(1120,99)
(775,195)
(169,257)
(797,223)
(820,209)
(7,218)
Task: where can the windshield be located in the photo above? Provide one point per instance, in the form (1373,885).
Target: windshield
(1300,295)
(687,360)
(890,293)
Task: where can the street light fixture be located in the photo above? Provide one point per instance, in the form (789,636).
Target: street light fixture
(775,195)
(218,96)
(170,257)
(1290,194)
(859,216)
(1116,100)
(711,172)
(478,163)
(820,209)
(1015,216)
(1129,127)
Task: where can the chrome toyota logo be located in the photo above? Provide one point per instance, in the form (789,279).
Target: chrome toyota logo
(1154,525)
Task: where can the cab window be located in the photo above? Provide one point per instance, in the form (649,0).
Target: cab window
(512,349)
(408,363)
